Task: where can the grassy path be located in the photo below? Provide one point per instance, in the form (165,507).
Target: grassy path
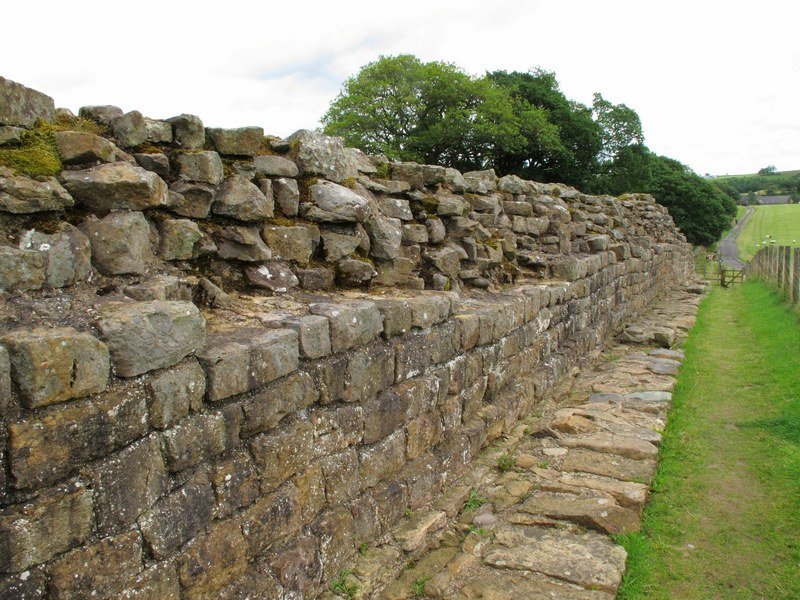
(724,518)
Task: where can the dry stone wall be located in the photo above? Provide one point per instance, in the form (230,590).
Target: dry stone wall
(227,359)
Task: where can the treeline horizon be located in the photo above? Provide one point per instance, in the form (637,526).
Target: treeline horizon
(519,123)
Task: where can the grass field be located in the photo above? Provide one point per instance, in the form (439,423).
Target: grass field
(780,221)
(724,517)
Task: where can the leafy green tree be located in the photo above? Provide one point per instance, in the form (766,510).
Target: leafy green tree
(432,113)
(573,157)
(701,210)
(630,171)
(770,170)
(620,127)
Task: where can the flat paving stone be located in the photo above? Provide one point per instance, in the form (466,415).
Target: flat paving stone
(609,465)
(589,560)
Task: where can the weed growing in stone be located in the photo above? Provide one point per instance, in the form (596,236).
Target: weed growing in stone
(418,587)
(362,549)
(474,501)
(481,531)
(341,587)
(506,462)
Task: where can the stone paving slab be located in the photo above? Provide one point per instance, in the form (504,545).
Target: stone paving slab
(532,517)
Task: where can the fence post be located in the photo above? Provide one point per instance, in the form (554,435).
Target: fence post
(787,270)
(796,277)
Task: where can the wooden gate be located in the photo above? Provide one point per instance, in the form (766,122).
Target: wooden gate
(717,273)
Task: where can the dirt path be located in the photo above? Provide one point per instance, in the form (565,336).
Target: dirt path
(728,250)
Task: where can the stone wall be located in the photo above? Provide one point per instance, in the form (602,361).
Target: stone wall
(227,359)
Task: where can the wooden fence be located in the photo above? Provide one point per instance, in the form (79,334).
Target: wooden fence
(779,265)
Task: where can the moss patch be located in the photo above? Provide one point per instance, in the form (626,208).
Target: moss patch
(37,153)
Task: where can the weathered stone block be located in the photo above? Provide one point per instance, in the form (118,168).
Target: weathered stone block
(212,561)
(290,243)
(187,131)
(314,335)
(35,531)
(55,365)
(385,235)
(336,428)
(43,449)
(333,203)
(269,406)
(342,481)
(318,154)
(424,433)
(120,242)
(368,372)
(102,114)
(177,518)
(275,166)
(193,440)
(67,254)
(21,270)
(427,311)
(281,453)
(274,276)
(77,147)
(287,196)
(381,460)
(27,585)
(126,484)
(243,141)
(175,392)
(191,199)
(116,186)
(297,565)
(143,336)
(158,132)
(242,243)
(271,519)
(337,246)
(397,208)
(384,414)
(23,106)
(396,314)
(104,567)
(159,582)
(246,359)
(156,162)
(160,287)
(352,324)
(130,129)
(205,167)
(335,528)
(238,198)
(180,239)
(22,195)
(235,481)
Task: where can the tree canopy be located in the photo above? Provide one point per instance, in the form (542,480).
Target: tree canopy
(518,123)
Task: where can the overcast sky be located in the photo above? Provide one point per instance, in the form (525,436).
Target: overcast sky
(716,84)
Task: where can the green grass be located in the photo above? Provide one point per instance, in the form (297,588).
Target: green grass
(724,517)
(780,221)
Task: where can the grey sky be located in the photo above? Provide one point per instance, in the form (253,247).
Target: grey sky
(717,84)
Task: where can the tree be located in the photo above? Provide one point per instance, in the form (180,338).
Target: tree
(620,127)
(572,158)
(701,210)
(432,113)
(770,170)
